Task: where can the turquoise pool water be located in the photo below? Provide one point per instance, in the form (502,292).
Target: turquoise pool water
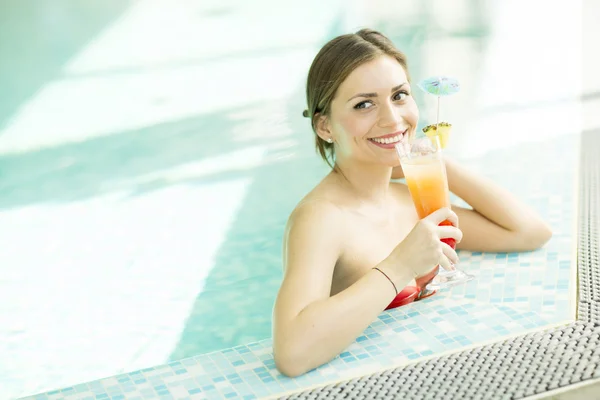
(234,305)
(153,170)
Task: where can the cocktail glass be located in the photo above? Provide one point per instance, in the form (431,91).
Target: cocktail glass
(425,174)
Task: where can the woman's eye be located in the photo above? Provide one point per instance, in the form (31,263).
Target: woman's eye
(363,105)
(401,95)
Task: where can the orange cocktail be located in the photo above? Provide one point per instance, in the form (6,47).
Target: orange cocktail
(425,174)
(428,185)
(427,182)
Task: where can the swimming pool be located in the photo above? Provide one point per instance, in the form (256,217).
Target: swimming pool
(157,220)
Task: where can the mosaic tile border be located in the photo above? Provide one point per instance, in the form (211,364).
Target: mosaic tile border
(526,365)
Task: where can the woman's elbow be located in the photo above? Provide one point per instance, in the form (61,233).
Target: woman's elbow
(289,363)
(538,237)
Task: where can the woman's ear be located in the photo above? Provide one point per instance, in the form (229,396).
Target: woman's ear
(322,128)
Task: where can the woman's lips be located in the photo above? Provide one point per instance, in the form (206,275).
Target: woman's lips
(389,141)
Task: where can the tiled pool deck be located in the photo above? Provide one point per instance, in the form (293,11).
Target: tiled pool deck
(512,295)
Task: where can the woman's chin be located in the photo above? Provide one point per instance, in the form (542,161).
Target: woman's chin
(391,162)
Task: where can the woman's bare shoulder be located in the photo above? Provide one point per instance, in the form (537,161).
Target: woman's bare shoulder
(316,223)
(315,206)
(317,213)
(323,198)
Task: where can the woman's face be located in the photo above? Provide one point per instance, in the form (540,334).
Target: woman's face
(373,109)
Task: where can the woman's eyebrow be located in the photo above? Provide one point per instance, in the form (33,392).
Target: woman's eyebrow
(370,95)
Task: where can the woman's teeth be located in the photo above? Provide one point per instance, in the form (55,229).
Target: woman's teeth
(394,139)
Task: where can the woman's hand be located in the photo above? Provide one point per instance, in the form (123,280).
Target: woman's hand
(422,249)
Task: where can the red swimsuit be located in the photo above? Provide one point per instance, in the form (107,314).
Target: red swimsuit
(412,293)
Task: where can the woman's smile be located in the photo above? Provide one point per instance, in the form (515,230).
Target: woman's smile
(389,141)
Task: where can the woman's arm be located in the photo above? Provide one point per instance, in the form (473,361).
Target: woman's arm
(310,327)
(498,222)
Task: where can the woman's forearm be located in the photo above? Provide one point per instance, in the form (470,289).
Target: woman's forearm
(491,201)
(325,328)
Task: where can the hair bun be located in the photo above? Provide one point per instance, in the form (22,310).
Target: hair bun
(305,113)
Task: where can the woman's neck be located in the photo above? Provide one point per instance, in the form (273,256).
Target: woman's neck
(370,182)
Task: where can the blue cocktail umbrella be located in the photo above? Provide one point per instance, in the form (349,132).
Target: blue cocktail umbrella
(439,86)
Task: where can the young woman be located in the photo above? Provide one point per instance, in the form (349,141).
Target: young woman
(355,242)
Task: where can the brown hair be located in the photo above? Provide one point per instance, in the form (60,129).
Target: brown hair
(332,65)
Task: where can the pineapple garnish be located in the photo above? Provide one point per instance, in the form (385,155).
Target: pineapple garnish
(444,132)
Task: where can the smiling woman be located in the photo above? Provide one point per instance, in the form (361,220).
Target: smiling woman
(354,245)
(339,59)
(364,123)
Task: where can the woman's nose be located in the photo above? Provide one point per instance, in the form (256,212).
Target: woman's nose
(389,115)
